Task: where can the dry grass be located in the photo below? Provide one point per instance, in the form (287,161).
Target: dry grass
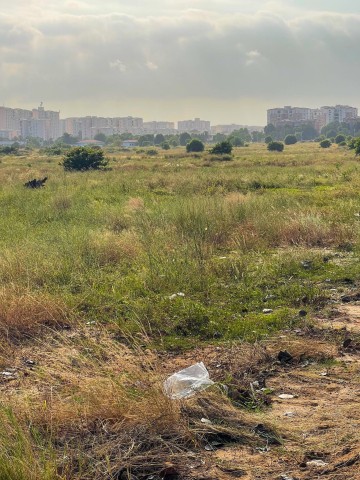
(23,313)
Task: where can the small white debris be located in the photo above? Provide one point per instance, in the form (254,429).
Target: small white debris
(323,374)
(7,374)
(285,396)
(267,310)
(289,414)
(316,463)
(206,421)
(174,295)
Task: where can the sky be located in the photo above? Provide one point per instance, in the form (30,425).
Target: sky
(226,61)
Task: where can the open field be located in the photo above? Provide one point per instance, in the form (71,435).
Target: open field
(91,268)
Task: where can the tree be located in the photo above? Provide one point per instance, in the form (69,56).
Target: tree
(236,141)
(84,158)
(269,129)
(268,139)
(219,137)
(325,143)
(275,147)
(222,148)
(290,140)
(195,145)
(100,137)
(146,140)
(67,139)
(165,146)
(159,139)
(184,139)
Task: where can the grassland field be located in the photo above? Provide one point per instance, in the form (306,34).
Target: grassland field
(91,267)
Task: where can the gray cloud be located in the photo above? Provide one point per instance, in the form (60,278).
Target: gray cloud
(213,62)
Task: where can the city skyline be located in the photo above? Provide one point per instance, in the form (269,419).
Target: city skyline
(228,61)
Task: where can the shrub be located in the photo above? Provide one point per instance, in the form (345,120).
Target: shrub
(195,145)
(357,147)
(325,143)
(222,148)
(353,143)
(152,151)
(340,138)
(165,146)
(290,140)
(275,147)
(268,139)
(84,158)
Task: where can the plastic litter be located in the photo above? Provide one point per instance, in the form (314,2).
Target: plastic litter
(187,382)
(316,463)
(285,396)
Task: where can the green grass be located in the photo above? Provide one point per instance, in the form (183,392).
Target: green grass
(115,245)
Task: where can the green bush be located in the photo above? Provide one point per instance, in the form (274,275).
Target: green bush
(195,145)
(84,158)
(290,140)
(268,139)
(340,138)
(325,143)
(222,148)
(275,147)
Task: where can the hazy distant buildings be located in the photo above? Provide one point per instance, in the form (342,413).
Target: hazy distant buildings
(196,125)
(228,129)
(166,128)
(318,117)
(40,123)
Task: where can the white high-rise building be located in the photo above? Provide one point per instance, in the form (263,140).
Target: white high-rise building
(196,125)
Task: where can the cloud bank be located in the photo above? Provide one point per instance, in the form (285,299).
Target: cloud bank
(227,60)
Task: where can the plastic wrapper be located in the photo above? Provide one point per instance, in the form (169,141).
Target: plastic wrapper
(187,382)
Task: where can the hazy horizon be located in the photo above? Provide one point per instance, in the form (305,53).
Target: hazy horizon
(225,61)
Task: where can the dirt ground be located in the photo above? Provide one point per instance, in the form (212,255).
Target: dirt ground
(319,421)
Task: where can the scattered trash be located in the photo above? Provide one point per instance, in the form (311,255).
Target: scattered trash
(187,382)
(284,357)
(206,421)
(290,414)
(263,449)
(92,322)
(316,463)
(269,297)
(35,183)
(285,396)
(174,295)
(323,374)
(9,374)
(267,310)
(286,477)
(29,362)
(307,264)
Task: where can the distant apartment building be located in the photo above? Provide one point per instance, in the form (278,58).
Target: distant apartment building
(339,113)
(166,128)
(132,125)
(196,125)
(40,123)
(318,117)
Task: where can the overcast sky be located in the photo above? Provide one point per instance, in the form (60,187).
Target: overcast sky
(222,60)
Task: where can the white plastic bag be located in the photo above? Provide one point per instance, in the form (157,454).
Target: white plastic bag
(187,382)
